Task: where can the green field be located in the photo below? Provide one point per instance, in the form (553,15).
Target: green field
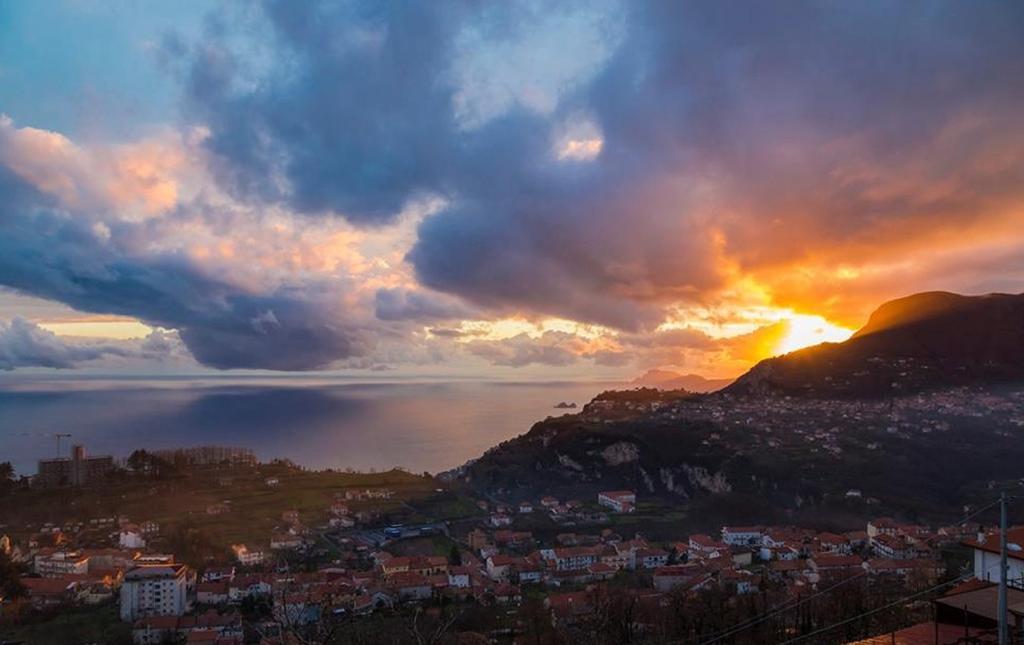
(255,507)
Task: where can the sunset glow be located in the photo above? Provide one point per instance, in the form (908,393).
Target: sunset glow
(495,192)
(804,330)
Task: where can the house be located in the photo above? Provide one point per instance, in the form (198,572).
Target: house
(55,562)
(568,608)
(155,629)
(926,569)
(217,508)
(249,586)
(741,581)
(704,546)
(620,501)
(741,535)
(651,558)
(669,577)
(507,594)
(130,537)
(508,538)
(525,507)
(600,571)
(790,568)
(214,574)
(272,482)
(742,556)
(887,545)
(459,577)
(548,502)
(834,543)
(985,553)
(247,557)
(341,522)
(290,516)
(410,586)
(375,599)
(500,519)
(836,564)
(212,593)
(424,566)
(500,567)
(529,571)
(285,541)
(572,558)
(44,593)
(620,555)
(882,526)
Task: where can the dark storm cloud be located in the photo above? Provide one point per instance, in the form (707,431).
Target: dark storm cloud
(355,120)
(419,306)
(50,253)
(734,135)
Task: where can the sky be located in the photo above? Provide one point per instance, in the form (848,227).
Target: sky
(507,190)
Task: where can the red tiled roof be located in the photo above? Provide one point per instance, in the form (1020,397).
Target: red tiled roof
(922,634)
(991,544)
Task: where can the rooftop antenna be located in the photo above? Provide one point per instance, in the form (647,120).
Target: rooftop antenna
(58,435)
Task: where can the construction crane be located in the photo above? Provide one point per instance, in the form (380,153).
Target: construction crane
(58,436)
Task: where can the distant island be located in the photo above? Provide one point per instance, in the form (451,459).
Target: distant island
(668,380)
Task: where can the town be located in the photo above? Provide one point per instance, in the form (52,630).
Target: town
(207,545)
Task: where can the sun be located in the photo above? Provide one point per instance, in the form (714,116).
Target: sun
(804,330)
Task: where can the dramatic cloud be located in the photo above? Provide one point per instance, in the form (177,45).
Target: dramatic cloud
(158,271)
(404,304)
(361,184)
(25,344)
(714,141)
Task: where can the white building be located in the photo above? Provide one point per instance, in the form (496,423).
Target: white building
(572,558)
(56,563)
(741,535)
(154,590)
(620,501)
(986,556)
(248,557)
(131,538)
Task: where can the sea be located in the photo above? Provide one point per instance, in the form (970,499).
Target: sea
(420,425)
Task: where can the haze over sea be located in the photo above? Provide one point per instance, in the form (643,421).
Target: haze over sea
(316,422)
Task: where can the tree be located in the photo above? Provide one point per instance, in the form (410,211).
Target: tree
(10,579)
(455,556)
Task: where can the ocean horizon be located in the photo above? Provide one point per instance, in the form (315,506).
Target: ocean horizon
(317,422)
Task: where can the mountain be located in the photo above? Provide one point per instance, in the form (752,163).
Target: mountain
(669,380)
(920,342)
(849,444)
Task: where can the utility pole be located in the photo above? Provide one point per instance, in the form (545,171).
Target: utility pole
(1003,635)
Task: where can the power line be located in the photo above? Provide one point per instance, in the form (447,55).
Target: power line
(895,603)
(788,605)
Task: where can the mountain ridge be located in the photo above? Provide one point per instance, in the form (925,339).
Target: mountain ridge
(755,452)
(668,380)
(920,342)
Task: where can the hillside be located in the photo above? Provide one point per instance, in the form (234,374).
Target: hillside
(921,342)
(761,459)
(822,431)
